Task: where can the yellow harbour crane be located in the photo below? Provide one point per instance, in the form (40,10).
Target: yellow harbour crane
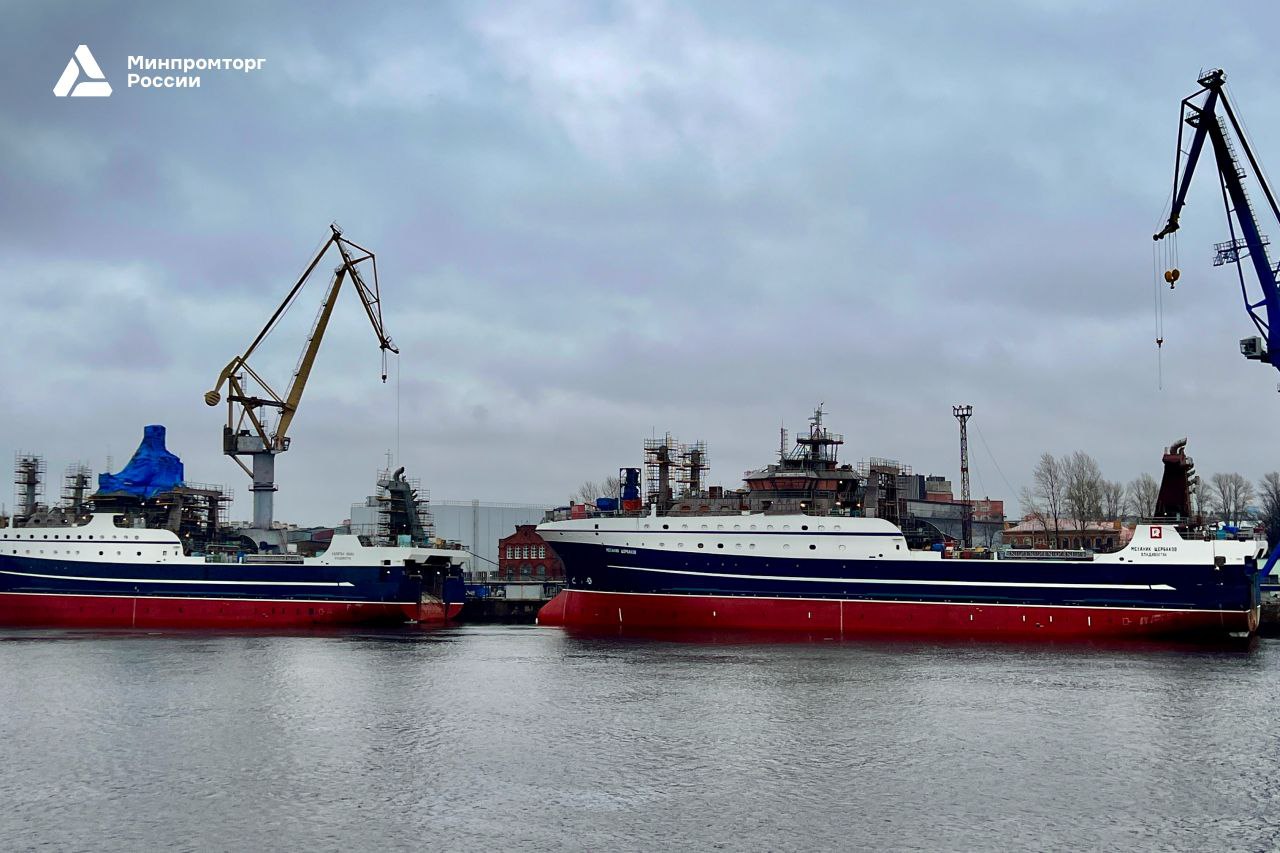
(248,431)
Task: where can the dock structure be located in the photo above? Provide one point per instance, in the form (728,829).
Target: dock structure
(507,603)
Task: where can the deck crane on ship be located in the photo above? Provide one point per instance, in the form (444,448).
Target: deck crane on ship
(1210,115)
(248,431)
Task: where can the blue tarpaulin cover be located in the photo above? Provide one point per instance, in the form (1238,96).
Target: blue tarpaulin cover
(152,470)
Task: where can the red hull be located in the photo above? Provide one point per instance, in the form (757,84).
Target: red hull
(604,610)
(155,612)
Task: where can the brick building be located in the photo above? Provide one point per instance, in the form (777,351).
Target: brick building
(1031,532)
(526,556)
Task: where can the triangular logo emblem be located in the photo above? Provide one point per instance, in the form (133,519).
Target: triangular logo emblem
(94,85)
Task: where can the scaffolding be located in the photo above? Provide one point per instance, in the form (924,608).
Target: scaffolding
(692,468)
(75,487)
(659,455)
(881,480)
(28,485)
(404,509)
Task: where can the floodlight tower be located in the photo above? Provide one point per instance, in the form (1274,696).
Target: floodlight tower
(962,413)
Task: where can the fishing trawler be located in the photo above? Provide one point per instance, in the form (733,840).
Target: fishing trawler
(843,575)
(125,568)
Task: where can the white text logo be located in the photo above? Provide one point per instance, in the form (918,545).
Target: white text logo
(95,86)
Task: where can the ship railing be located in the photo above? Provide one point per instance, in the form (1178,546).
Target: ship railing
(1073,554)
(272,558)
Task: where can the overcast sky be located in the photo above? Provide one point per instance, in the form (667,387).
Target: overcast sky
(595,222)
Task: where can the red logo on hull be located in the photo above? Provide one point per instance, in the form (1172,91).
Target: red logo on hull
(1157,533)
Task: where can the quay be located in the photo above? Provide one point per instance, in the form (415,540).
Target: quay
(513,603)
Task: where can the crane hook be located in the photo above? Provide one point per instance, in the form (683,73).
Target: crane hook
(1172,276)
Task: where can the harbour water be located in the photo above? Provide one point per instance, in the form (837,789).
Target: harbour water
(525,738)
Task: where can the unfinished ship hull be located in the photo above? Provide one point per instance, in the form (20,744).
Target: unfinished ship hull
(100,576)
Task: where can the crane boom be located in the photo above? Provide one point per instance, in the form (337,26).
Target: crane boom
(247,432)
(1219,127)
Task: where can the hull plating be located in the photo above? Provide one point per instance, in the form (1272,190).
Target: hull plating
(606,610)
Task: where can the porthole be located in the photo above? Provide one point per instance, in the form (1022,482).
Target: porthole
(815,547)
(719,544)
(699,544)
(804,527)
(664,527)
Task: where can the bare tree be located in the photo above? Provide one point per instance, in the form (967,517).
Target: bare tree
(1141,494)
(1113,500)
(1044,501)
(1230,494)
(1083,493)
(1269,494)
(590,490)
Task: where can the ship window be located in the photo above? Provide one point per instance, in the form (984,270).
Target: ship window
(99,553)
(842,548)
(720,545)
(90,535)
(664,527)
(139,553)
(46,536)
(752,546)
(813,547)
(786,547)
(786,527)
(804,527)
(699,544)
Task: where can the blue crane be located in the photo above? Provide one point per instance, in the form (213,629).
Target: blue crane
(1209,114)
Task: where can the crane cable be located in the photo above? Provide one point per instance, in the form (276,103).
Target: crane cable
(1158,309)
(384,355)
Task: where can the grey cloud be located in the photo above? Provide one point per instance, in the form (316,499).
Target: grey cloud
(597,220)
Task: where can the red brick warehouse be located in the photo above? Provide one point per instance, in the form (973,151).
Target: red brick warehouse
(526,556)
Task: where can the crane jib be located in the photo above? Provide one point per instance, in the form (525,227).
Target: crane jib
(247,431)
(1214,118)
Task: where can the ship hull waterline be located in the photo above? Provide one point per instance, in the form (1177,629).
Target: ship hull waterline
(151,612)
(601,610)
